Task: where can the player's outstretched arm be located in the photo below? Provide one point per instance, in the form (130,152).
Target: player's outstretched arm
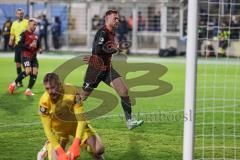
(61,155)
(74,149)
(47,129)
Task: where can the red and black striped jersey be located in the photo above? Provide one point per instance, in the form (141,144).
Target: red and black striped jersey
(104,45)
(27,39)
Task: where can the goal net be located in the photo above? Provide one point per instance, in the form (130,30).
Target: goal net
(217,118)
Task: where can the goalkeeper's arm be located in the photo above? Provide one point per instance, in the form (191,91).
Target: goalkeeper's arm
(74,149)
(46,121)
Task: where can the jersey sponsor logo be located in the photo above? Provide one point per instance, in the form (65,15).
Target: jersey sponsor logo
(43,110)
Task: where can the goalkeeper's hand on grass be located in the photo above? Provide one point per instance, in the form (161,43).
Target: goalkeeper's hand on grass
(74,150)
(61,155)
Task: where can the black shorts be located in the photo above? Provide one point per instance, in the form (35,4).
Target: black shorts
(18,54)
(93,77)
(29,62)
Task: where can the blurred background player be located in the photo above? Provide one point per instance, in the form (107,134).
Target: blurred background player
(43,31)
(6,33)
(100,67)
(63,100)
(56,32)
(17,28)
(29,44)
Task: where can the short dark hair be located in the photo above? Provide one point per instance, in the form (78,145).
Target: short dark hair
(111,11)
(20,9)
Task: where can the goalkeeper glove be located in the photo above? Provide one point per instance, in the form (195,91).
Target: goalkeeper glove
(74,150)
(61,155)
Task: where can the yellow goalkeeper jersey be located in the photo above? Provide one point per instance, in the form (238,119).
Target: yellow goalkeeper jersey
(17,28)
(62,119)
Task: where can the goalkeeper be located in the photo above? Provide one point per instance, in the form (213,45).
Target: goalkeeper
(58,101)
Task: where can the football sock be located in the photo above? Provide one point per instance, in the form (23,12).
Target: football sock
(19,71)
(126,105)
(20,77)
(32,80)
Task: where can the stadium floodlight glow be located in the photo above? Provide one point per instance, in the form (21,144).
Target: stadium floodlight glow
(190,81)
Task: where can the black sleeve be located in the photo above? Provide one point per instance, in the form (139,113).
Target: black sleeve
(100,41)
(103,46)
(47,22)
(22,44)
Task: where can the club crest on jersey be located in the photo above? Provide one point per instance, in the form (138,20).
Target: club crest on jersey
(101,40)
(43,110)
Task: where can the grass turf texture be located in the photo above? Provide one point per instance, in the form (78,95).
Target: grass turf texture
(22,136)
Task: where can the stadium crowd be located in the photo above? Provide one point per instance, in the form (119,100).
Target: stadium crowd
(221,30)
(150,23)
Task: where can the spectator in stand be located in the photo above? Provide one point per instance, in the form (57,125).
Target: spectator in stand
(95,22)
(56,32)
(130,26)
(141,22)
(101,22)
(235,25)
(157,21)
(122,29)
(203,16)
(202,31)
(215,29)
(26,17)
(230,5)
(6,33)
(43,31)
(130,23)
(0,33)
(234,7)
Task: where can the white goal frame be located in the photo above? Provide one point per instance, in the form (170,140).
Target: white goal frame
(190,80)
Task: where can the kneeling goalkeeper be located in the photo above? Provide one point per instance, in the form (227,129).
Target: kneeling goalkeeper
(58,106)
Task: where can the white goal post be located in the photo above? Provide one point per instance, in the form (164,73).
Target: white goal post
(190,82)
(212,86)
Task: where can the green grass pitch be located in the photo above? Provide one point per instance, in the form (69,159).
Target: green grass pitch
(161,136)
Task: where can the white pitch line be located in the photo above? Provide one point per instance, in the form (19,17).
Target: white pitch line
(134,58)
(102,117)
